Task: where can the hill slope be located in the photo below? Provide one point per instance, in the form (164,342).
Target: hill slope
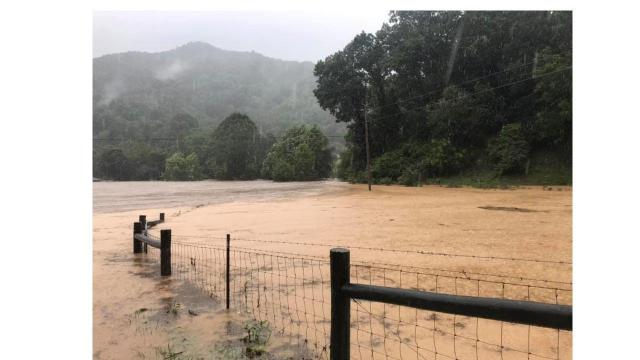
(136,93)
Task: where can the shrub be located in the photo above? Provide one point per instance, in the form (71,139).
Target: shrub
(434,158)
(385,181)
(182,168)
(390,165)
(509,151)
(441,158)
(343,166)
(409,177)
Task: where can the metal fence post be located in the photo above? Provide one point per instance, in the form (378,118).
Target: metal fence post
(137,244)
(165,252)
(340,305)
(143,224)
(228,267)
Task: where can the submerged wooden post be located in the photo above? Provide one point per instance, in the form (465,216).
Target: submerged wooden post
(340,305)
(165,252)
(143,224)
(137,244)
(228,267)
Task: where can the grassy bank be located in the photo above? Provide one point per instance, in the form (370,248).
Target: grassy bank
(544,170)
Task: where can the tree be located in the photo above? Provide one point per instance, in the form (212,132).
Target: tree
(302,154)
(551,125)
(179,126)
(234,149)
(509,151)
(182,168)
(460,118)
(441,84)
(113,164)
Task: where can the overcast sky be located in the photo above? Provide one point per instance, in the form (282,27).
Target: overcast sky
(284,35)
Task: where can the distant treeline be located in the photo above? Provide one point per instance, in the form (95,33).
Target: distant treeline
(447,93)
(235,150)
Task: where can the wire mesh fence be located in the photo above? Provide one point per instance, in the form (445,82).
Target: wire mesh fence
(292,292)
(385,331)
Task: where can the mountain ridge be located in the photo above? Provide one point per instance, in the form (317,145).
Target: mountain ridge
(207,82)
(203,45)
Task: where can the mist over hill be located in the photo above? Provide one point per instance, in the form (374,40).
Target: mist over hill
(135,94)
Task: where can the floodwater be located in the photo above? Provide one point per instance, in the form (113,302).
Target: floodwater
(419,225)
(111,196)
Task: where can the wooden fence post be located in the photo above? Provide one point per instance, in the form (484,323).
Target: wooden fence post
(162,217)
(143,223)
(165,252)
(137,244)
(340,305)
(228,267)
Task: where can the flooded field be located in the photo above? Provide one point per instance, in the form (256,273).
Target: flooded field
(114,196)
(268,221)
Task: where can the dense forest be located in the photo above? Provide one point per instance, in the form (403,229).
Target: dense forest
(235,150)
(149,106)
(475,98)
(470,97)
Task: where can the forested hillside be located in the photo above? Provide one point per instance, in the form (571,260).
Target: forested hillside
(476,97)
(145,104)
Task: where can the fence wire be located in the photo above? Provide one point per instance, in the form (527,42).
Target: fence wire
(383,331)
(397,251)
(292,292)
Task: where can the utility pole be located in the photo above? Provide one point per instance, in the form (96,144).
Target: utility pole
(366,138)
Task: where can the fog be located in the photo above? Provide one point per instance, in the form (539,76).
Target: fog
(301,36)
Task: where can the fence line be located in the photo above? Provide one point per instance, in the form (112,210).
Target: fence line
(421,252)
(533,315)
(293,292)
(551,284)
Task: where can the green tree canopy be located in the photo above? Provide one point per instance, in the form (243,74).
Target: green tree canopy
(114,165)
(179,126)
(448,81)
(509,151)
(302,154)
(234,151)
(179,167)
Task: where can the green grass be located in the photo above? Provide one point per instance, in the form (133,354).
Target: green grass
(490,181)
(546,169)
(258,334)
(251,346)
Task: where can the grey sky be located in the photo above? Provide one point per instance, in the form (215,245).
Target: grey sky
(283,35)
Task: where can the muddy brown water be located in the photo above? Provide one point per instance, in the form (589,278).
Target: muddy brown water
(428,219)
(113,196)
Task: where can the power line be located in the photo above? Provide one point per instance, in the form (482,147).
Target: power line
(408,99)
(465,82)
(480,91)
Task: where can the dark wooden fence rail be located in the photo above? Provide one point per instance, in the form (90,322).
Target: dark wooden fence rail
(342,291)
(142,239)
